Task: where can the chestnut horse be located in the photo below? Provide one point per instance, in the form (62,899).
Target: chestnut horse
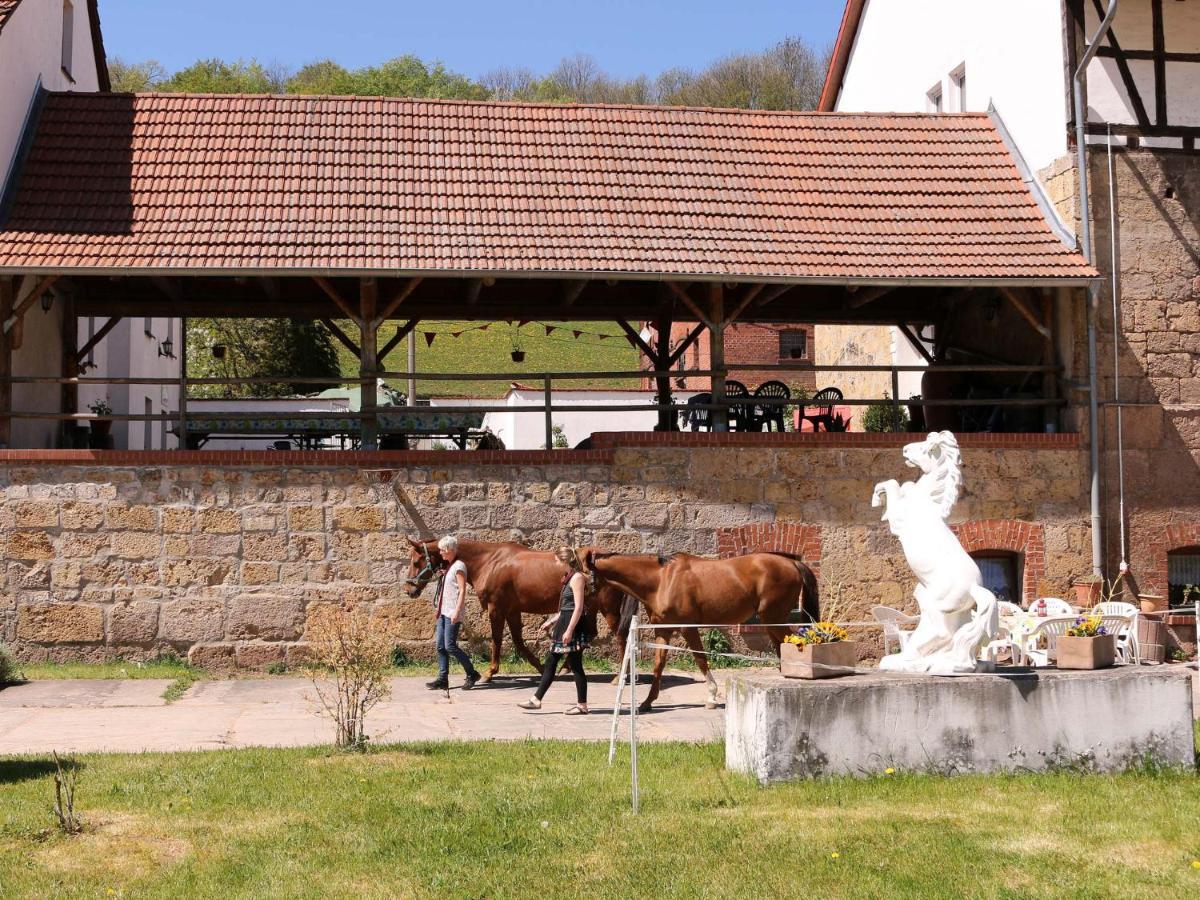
(510,579)
(691,589)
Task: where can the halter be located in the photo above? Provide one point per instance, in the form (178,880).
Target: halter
(426,574)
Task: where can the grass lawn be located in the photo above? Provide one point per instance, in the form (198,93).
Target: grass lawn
(489,351)
(182,674)
(544,819)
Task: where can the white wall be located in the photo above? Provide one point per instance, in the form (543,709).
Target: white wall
(1013,53)
(40,353)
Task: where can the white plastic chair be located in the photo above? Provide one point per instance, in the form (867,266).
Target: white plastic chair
(996,648)
(1127,642)
(1049,630)
(891,620)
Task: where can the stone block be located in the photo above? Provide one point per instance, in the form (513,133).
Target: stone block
(213,657)
(132,623)
(35,514)
(136,545)
(358,518)
(220,521)
(264,547)
(30,545)
(409,620)
(536,517)
(259,654)
(81,546)
(178,519)
(777,729)
(81,516)
(260,572)
(271,617)
(194,572)
(60,623)
(192,620)
(121,516)
(309,547)
(306,518)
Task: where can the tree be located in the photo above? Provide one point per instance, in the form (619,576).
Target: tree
(215,76)
(131,78)
(323,78)
(246,348)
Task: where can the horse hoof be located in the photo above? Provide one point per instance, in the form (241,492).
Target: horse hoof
(711,704)
(486,678)
(643,707)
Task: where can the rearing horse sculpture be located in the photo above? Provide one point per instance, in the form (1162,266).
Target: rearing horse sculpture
(684,589)
(511,579)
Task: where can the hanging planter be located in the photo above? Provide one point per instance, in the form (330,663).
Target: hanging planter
(518,356)
(518,352)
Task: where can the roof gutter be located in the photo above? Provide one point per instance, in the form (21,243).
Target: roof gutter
(1085,225)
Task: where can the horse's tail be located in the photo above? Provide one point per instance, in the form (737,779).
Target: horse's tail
(810,594)
(628,608)
(982,627)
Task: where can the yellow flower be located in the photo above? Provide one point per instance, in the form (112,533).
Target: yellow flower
(889,771)
(835,855)
(1196,863)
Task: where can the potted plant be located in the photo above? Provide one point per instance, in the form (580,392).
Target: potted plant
(1088,589)
(1086,645)
(821,650)
(1152,603)
(101,408)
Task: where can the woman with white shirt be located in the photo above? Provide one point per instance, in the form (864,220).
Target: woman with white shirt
(451,599)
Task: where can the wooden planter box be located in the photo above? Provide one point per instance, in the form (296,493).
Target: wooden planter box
(808,662)
(1086,652)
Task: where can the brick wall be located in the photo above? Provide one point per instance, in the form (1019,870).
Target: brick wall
(748,344)
(226,559)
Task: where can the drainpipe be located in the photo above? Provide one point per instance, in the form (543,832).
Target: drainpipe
(1085,221)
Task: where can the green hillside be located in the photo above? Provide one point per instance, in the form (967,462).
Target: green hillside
(476,350)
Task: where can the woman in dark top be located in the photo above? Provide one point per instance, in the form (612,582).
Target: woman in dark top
(570,634)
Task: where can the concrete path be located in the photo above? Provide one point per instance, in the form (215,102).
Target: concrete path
(131,716)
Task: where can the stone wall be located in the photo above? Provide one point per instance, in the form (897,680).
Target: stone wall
(855,345)
(226,554)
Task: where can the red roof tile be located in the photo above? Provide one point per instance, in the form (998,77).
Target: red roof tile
(169,181)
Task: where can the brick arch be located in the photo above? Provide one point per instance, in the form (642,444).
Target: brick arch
(790,537)
(1173,537)
(1012,535)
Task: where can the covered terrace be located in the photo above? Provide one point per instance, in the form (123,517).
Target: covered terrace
(388,212)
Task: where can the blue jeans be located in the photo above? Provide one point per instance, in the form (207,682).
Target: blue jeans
(446,640)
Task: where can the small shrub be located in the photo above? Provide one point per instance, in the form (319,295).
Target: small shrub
(277,668)
(8,665)
(717,641)
(881,417)
(399,657)
(69,821)
(352,658)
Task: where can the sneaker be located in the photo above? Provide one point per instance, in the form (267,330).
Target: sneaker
(472,680)
(438,684)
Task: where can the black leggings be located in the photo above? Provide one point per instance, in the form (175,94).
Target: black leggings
(574,663)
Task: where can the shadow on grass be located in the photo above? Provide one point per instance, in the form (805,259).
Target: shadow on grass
(14,770)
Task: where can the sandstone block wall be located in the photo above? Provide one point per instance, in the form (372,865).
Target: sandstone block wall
(229,561)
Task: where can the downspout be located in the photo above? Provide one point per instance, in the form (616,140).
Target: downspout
(1085,222)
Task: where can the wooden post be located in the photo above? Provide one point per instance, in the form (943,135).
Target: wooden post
(716,326)
(7,299)
(895,395)
(1049,358)
(661,360)
(547,392)
(69,396)
(368,327)
(183,383)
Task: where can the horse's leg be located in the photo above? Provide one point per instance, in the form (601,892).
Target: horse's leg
(660,663)
(692,636)
(514,629)
(497,622)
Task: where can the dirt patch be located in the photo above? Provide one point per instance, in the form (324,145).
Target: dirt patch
(120,845)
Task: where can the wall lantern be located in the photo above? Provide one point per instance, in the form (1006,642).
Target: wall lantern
(167,348)
(47,301)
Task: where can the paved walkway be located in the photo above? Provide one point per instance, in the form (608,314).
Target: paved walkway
(129,716)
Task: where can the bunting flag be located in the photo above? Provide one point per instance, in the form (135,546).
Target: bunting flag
(549,330)
(522,322)
(456,334)
(429,336)
(576,333)
(483,327)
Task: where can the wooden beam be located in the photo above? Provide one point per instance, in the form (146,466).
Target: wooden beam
(1026,313)
(751,292)
(401,333)
(870,295)
(773,293)
(1131,89)
(716,301)
(331,292)
(172,290)
(96,338)
(916,342)
(401,295)
(687,342)
(368,360)
(1049,358)
(681,292)
(8,287)
(341,336)
(1160,63)
(638,342)
(31,298)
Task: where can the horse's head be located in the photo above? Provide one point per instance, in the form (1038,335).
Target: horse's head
(938,456)
(424,562)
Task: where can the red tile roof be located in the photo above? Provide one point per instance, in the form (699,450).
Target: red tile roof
(248,183)
(7,8)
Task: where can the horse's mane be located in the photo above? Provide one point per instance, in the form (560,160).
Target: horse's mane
(947,474)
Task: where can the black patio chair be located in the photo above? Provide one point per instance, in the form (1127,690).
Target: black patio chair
(772,414)
(696,418)
(822,402)
(741,415)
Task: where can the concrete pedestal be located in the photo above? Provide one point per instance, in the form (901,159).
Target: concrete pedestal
(778,729)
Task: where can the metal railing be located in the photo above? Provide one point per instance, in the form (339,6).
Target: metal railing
(370,415)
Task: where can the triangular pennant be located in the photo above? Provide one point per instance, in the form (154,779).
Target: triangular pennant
(576,333)
(522,322)
(483,327)
(429,336)
(604,337)
(456,334)
(549,329)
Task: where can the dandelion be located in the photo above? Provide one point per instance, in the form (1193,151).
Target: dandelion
(889,771)
(1196,863)
(835,855)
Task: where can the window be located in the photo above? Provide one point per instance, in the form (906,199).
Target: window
(958,89)
(933,99)
(1183,576)
(1001,574)
(793,344)
(68,37)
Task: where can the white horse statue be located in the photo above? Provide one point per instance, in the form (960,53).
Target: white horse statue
(958,614)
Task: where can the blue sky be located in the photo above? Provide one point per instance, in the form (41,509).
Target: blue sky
(627,37)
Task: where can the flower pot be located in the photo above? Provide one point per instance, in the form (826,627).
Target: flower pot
(518,356)
(1152,603)
(101,426)
(1086,652)
(1087,593)
(812,661)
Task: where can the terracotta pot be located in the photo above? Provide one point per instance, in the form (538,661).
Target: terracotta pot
(1152,603)
(810,662)
(1087,593)
(1086,652)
